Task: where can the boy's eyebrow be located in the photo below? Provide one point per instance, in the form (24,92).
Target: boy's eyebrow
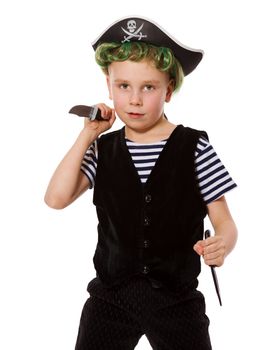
(151,82)
(120,81)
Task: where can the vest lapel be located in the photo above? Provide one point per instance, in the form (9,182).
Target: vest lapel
(160,159)
(130,164)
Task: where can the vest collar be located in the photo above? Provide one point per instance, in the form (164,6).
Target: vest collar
(169,143)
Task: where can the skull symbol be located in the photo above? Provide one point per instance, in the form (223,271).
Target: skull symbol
(131,26)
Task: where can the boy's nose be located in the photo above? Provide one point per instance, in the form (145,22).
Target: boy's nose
(135,98)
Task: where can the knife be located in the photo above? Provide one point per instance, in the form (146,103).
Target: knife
(214,275)
(91,112)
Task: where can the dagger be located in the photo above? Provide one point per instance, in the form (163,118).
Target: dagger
(214,275)
(91,112)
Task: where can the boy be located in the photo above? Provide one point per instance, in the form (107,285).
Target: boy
(154,182)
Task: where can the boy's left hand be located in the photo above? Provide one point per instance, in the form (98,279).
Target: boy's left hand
(212,250)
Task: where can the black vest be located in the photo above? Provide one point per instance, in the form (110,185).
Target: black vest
(148,229)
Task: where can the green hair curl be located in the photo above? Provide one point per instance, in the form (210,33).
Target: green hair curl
(162,57)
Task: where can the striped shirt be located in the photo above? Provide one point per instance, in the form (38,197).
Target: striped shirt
(213,178)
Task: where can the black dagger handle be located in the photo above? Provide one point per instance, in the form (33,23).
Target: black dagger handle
(214,275)
(91,112)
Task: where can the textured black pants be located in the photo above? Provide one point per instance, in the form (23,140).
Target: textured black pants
(116,319)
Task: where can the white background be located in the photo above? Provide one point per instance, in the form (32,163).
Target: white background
(47,66)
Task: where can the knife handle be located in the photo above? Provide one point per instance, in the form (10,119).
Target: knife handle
(207,234)
(95,113)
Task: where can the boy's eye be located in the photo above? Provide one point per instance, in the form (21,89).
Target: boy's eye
(148,87)
(123,86)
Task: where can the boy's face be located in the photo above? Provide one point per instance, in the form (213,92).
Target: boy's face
(138,91)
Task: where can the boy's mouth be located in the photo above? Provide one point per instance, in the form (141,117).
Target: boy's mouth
(135,115)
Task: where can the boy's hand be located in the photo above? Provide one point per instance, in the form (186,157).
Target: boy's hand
(212,250)
(100,126)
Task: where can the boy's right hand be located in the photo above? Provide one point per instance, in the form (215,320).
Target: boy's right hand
(99,126)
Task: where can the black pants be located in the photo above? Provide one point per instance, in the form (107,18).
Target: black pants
(116,319)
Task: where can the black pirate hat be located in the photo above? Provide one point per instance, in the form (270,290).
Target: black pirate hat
(140,29)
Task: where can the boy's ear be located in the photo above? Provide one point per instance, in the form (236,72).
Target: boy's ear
(170,90)
(109,88)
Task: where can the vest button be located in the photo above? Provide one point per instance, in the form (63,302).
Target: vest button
(148,198)
(145,269)
(146,221)
(146,243)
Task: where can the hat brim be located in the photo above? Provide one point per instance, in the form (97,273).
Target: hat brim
(142,29)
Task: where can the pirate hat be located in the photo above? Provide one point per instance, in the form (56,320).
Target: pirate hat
(141,29)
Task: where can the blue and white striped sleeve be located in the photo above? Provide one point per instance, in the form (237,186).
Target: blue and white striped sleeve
(89,163)
(213,178)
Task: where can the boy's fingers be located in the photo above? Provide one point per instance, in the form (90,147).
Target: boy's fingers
(105,110)
(199,247)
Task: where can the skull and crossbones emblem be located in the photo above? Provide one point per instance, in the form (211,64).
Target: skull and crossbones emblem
(132,31)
